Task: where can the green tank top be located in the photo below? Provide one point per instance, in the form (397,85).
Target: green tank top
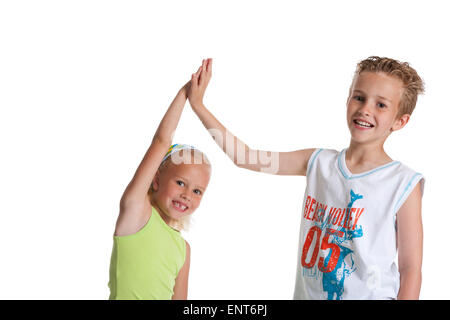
(145,265)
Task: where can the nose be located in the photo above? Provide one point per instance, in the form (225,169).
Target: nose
(185,196)
(365,109)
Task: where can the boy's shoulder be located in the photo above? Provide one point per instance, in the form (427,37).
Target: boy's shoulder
(401,167)
(404,167)
(323,154)
(331,158)
(411,176)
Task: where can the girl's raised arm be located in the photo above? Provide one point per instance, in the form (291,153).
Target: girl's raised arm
(280,163)
(135,197)
(140,183)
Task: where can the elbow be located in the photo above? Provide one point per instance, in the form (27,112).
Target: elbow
(127,201)
(414,272)
(158,139)
(410,284)
(241,158)
(124,202)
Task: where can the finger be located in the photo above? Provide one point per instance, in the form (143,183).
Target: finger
(194,80)
(209,66)
(199,71)
(208,70)
(198,74)
(202,75)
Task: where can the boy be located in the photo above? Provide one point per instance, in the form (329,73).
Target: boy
(360,206)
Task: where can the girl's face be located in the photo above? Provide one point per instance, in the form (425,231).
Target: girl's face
(178,189)
(372,107)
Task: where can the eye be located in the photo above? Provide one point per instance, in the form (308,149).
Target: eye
(381,105)
(198,192)
(180,183)
(358,98)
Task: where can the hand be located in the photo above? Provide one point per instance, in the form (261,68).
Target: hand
(185,90)
(199,82)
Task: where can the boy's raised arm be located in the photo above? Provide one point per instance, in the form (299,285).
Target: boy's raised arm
(280,163)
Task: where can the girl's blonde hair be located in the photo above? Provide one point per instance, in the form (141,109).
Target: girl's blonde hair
(413,85)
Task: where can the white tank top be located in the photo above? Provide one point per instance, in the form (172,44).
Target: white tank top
(347,247)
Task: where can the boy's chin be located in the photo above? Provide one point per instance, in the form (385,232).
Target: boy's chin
(367,140)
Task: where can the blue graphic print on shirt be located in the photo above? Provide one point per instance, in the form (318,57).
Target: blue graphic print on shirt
(339,228)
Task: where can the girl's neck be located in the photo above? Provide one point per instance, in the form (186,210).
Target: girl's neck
(169,221)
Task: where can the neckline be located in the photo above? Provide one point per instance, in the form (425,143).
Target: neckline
(348,175)
(165,225)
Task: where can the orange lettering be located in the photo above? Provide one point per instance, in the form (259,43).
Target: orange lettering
(311,208)
(358,214)
(308,202)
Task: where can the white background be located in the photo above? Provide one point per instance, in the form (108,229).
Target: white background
(84,85)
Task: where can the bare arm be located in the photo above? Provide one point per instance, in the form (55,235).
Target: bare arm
(410,246)
(280,163)
(180,290)
(134,201)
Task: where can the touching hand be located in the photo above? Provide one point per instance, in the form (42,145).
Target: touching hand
(185,90)
(199,82)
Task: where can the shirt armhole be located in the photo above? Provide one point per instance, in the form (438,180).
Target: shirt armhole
(408,189)
(311,160)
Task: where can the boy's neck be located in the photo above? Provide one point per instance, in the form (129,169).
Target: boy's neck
(363,157)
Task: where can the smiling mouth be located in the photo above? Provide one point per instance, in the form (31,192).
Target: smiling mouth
(363,124)
(179,206)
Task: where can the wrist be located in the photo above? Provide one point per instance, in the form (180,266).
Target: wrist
(182,93)
(197,105)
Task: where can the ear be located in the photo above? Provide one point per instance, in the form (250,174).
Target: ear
(155,182)
(400,122)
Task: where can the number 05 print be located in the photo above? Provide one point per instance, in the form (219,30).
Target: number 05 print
(316,232)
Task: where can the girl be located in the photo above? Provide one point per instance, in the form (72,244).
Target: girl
(150,259)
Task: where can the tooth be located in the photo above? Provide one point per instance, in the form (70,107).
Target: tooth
(363,123)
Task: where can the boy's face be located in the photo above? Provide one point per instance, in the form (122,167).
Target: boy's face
(179,189)
(372,107)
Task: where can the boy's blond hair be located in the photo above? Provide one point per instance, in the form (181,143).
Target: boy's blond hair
(412,83)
